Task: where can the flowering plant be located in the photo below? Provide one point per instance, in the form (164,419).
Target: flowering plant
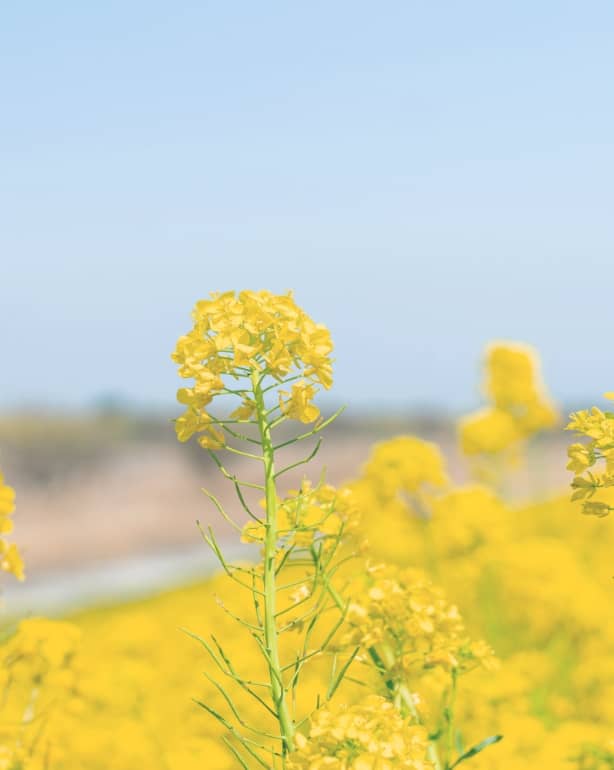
(265,352)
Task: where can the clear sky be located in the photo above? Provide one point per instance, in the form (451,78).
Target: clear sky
(426,175)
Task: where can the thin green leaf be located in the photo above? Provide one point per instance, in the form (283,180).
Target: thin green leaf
(477,749)
(339,678)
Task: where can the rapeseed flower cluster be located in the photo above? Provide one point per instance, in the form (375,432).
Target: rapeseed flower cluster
(369,735)
(38,681)
(518,405)
(10,558)
(400,609)
(405,470)
(400,479)
(592,462)
(39,692)
(238,336)
(308,513)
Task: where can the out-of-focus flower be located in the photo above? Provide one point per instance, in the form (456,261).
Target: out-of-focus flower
(518,407)
(10,557)
(369,735)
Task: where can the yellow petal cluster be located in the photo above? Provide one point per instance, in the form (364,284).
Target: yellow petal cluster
(308,512)
(406,467)
(298,404)
(10,558)
(592,461)
(488,431)
(237,335)
(402,609)
(39,689)
(51,643)
(467,519)
(518,404)
(369,735)
(513,383)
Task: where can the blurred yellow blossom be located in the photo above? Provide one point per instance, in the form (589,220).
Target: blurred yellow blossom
(402,609)
(370,735)
(405,467)
(10,557)
(518,408)
(488,431)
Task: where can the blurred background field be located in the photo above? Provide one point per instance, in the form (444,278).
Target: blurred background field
(114,490)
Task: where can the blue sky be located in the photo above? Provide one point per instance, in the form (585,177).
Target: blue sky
(426,176)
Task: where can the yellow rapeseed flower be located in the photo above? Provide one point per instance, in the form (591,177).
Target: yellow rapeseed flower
(298,403)
(369,735)
(518,408)
(592,462)
(10,558)
(237,335)
(488,431)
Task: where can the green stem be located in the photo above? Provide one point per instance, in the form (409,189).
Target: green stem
(449,714)
(271,633)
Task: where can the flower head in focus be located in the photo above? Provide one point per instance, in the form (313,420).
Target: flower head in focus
(592,461)
(242,335)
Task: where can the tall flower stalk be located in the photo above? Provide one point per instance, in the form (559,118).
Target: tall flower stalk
(264,351)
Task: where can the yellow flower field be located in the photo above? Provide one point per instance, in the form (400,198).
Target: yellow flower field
(399,621)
